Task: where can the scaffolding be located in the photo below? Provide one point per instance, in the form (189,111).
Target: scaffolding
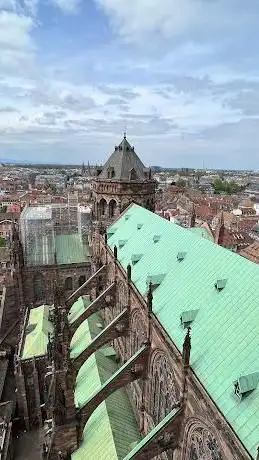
(38,235)
(44,229)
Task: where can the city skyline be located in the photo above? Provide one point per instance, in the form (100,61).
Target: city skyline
(182,80)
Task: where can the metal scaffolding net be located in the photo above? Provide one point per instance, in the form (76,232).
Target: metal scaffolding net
(55,233)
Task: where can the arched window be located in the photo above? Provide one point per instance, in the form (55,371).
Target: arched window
(121,298)
(82,280)
(112,208)
(138,331)
(68,284)
(102,207)
(164,392)
(39,287)
(111,172)
(202,444)
(133,174)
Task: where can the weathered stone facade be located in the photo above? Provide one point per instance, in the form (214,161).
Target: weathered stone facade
(38,282)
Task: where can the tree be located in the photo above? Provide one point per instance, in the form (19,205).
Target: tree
(229,187)
(180,183)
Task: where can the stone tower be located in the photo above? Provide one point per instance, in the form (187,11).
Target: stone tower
(122,180)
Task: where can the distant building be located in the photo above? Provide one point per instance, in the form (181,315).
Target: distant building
(122,180)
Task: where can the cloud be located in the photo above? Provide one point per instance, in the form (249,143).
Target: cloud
(169,19)
(67,6)
(16,45)
(8,109)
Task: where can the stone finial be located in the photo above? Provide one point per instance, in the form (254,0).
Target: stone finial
(129,272)
(150,298)
(187,349)
(115,252)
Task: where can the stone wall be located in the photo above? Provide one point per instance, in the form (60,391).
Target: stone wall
(51,275)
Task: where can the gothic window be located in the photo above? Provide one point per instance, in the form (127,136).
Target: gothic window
(68,284)
(133,174)
(121,298)
(102,207)
(112,208)
(111,173)
(164,393)
(202,445)
(138,331)
(82,280)
(39,287)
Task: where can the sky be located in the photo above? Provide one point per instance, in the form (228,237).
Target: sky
(181,77)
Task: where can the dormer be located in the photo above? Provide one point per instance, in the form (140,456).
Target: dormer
(187,317)
(220,284)
(111,232)
(110,172)
(246,384)
(135,258)
(133,174)
(156,238)
(155,280)
(121,243)
(181,256)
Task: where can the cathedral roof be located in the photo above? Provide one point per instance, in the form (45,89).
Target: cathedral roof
(122,162)
(222,286)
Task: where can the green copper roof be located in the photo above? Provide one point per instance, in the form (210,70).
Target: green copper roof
(70,249)
(202,233)
(112,428)
(36,333)
(84,335)
(225,333)
(78,308)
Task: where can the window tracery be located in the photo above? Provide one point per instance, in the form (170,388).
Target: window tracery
(203,445)
(138,332)
(164,392)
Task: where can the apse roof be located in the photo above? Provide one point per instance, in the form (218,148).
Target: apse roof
(225,333)
(121,162)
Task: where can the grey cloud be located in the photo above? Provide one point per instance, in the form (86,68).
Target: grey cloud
(8,109)
(49,97)
(247,101)
(141,127)
(118,102)
(120,92)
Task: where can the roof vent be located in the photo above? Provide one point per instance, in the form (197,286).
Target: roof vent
(127,217)
(155,280)
(245,384)
(135,258)
(139,226)
(220,284)
(181,256)
(187,317)
(156,238)
(122,243)
(111,232)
